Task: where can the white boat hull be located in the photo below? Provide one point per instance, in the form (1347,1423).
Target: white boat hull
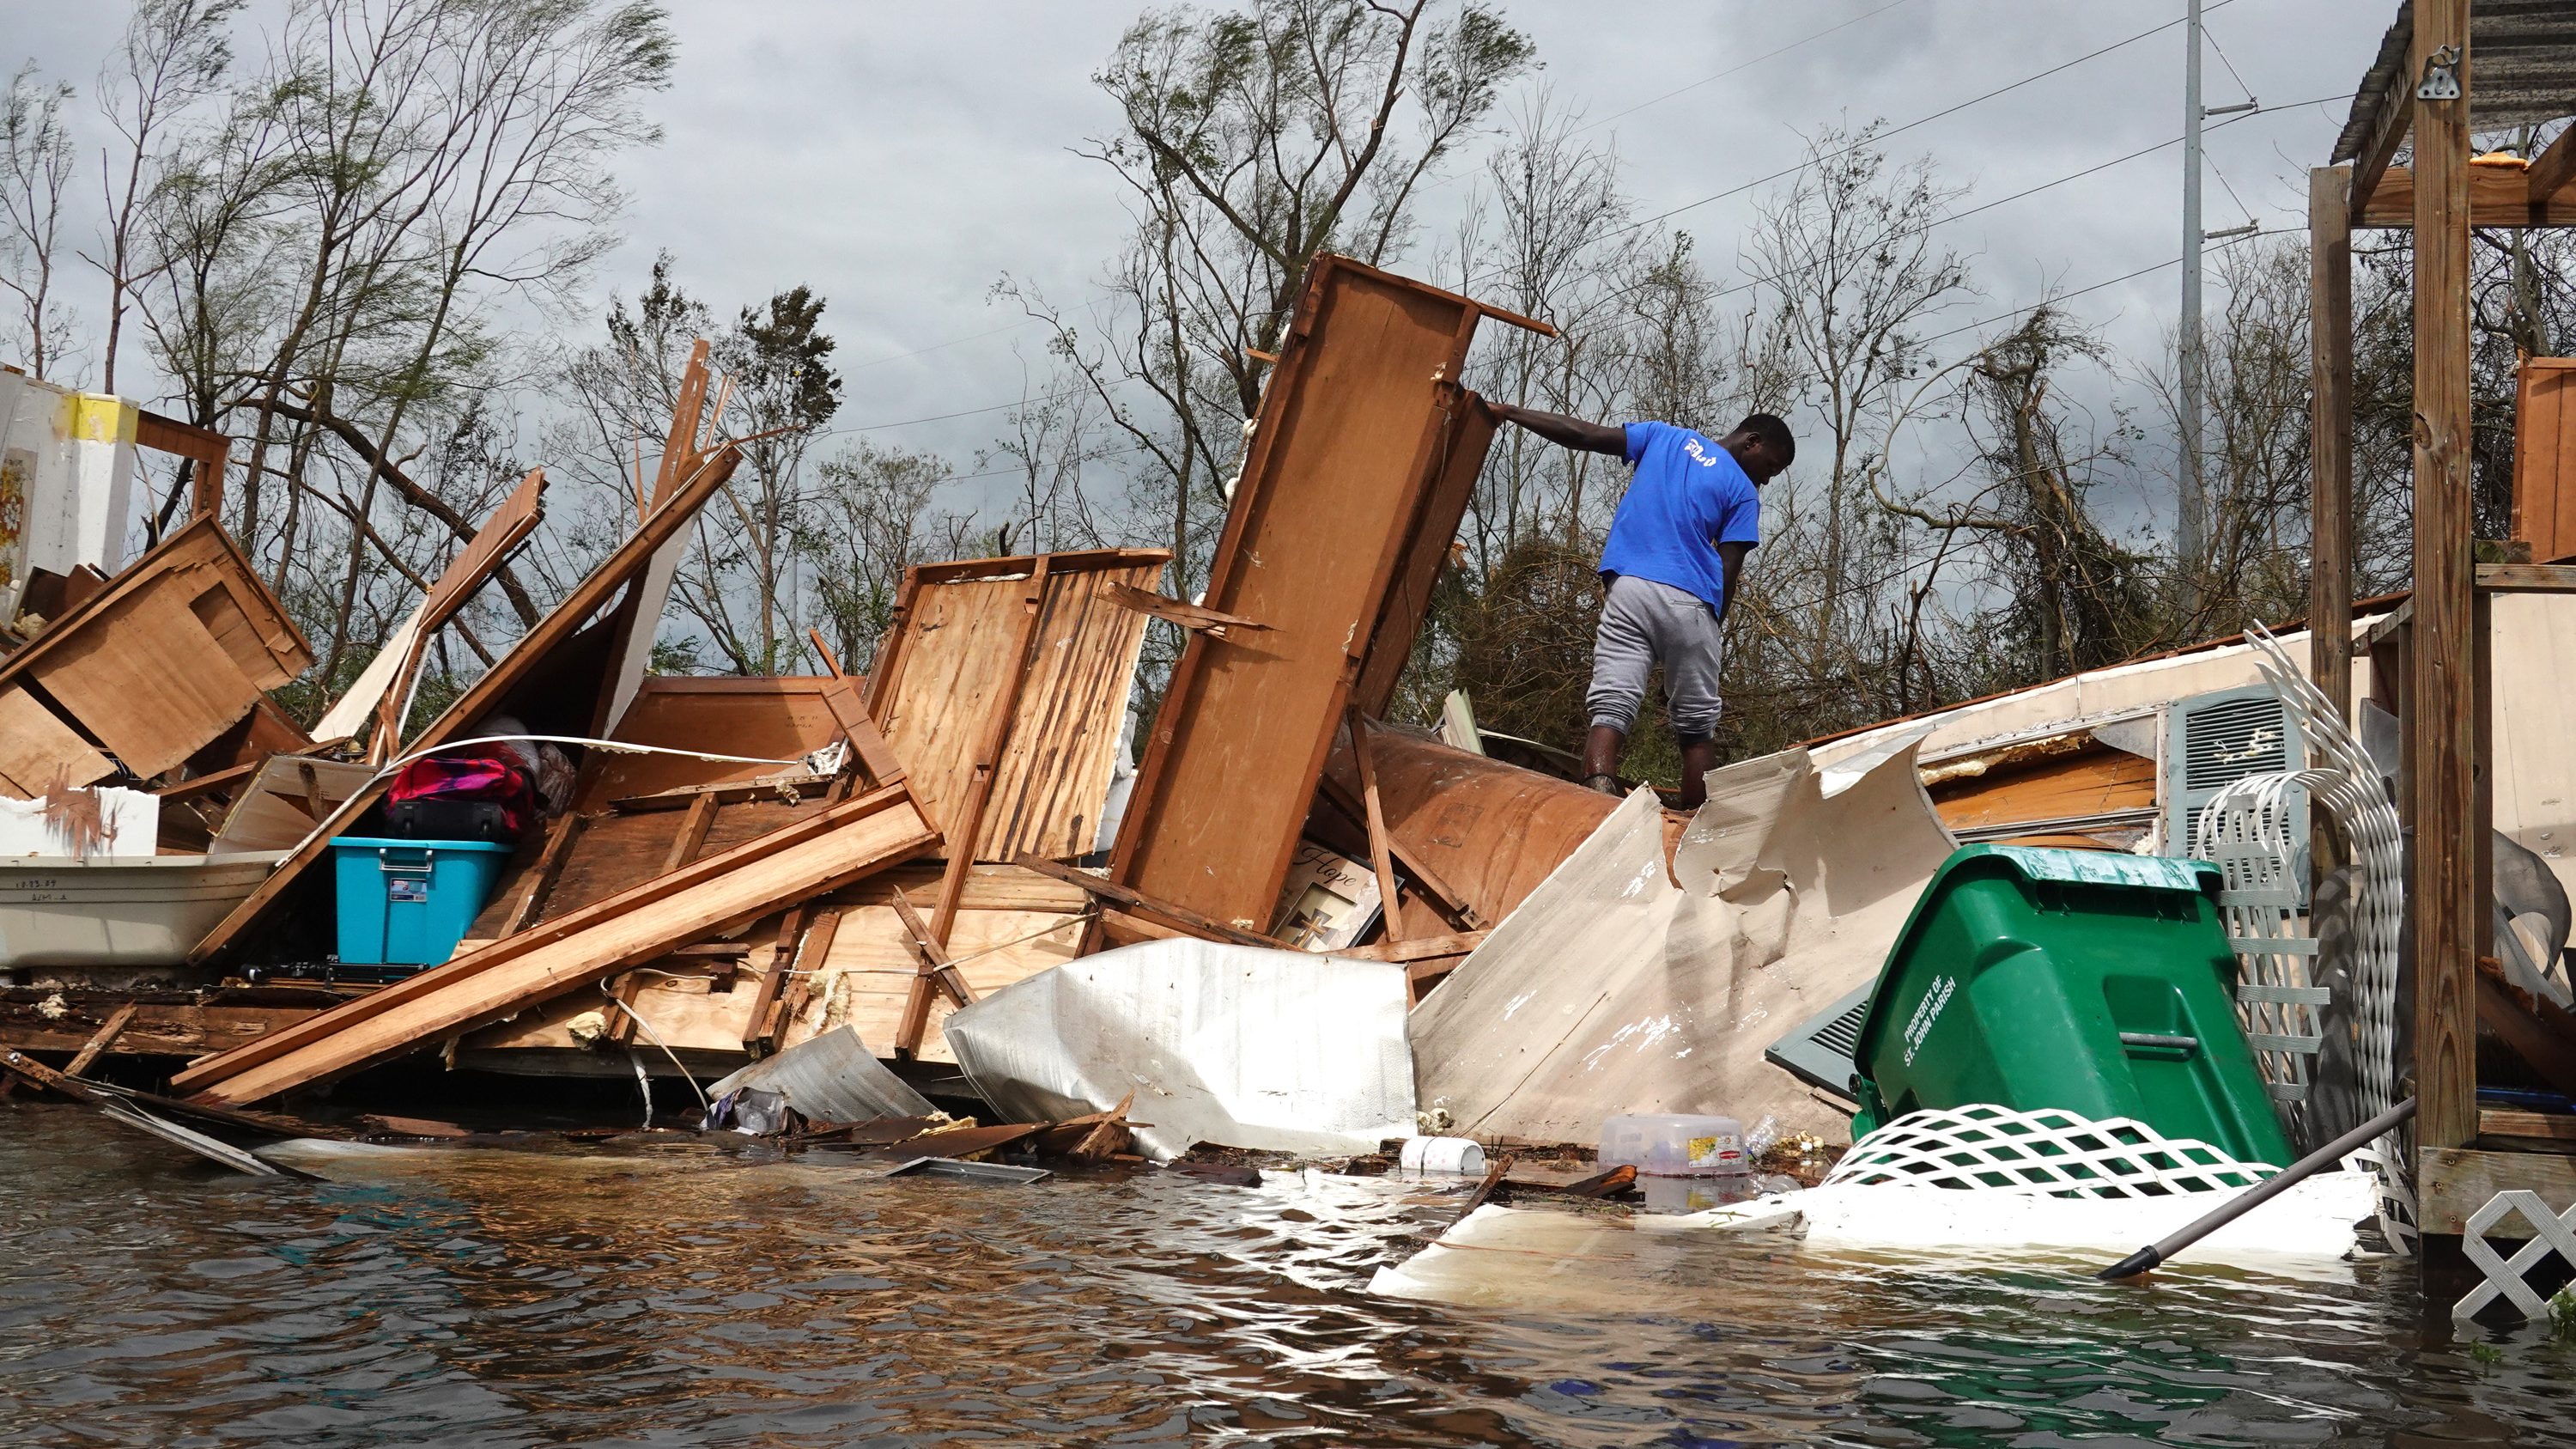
(119,911)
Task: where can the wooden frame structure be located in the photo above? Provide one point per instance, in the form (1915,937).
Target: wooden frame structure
(1364,434)
(2442,644)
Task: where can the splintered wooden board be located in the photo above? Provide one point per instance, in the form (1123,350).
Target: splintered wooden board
(36,748)
(770,719)
(2091,781)
(1345,456)
(708,898)
(149,681)
(867,976)
(949,662)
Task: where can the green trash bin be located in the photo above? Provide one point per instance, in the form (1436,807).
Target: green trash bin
(2097,983)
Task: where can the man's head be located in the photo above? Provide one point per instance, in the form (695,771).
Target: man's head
(1762,447)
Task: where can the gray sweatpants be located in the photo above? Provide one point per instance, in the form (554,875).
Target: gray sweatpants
(1644,623)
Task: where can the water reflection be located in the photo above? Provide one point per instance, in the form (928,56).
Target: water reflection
(670,1294)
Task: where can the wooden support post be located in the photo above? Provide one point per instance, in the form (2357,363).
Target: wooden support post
(962,832)
(550,864)
(692,836)
(2442,712)
(931,968)
(101,1041)
(793,963)
(1381,845)
(2330,425)
(1137,903)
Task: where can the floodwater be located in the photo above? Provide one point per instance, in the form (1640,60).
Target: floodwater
(642,1293)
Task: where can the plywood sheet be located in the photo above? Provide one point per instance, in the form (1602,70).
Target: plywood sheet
(1346,452)
(867,976)
(148,681)
(36,748)
(2063,787)
(950,661)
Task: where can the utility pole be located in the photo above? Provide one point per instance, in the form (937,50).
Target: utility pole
(2191,536)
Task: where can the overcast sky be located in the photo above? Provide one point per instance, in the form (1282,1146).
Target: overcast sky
(899,158)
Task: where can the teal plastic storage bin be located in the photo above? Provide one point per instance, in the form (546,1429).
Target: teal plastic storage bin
(408,902)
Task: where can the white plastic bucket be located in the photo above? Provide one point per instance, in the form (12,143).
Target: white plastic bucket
(1442,1154)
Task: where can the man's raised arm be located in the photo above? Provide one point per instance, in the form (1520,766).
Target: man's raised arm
(1569,432)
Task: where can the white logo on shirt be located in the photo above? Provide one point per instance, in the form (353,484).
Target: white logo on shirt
(1698,453)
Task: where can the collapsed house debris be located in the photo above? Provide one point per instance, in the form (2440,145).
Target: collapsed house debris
(859,903)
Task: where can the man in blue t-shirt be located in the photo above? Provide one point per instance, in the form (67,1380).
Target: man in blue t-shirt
(1676,545)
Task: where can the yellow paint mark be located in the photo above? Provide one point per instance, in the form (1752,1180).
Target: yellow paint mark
(100,418)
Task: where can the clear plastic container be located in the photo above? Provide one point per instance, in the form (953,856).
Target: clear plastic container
(1674,1144)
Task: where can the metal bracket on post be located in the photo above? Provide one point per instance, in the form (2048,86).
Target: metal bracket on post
(2441,76)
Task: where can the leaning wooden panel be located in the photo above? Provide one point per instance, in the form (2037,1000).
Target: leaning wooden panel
(1467,432)
(36,748)
(717,894)
(1339,470)
(148,682)
(949,662)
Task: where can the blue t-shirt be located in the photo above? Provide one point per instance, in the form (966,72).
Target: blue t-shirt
(1688,496)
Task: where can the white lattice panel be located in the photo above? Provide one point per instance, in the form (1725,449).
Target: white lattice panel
(1985,1148)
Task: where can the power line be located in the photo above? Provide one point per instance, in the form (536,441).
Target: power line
(1882,136)
(937,346)
(1748,285)
(2052,301)
(1734,69)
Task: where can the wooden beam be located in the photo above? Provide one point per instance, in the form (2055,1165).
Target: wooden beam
(1381,846)
(1445,898)
(206,449)
(2552,169)
(2499,197)
(2453,1183)
(1136,903)
(796,972)
(2330,427)
(931,961)
(2372,164)
(692,834)
(1420,948)
(2527,578)
(101,1039)
(787,789)
(541,879)
(1173,611)
(2442,744)
(2557,1129)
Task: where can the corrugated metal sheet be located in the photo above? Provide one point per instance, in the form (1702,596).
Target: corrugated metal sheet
(830,1078)
(2522,69)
